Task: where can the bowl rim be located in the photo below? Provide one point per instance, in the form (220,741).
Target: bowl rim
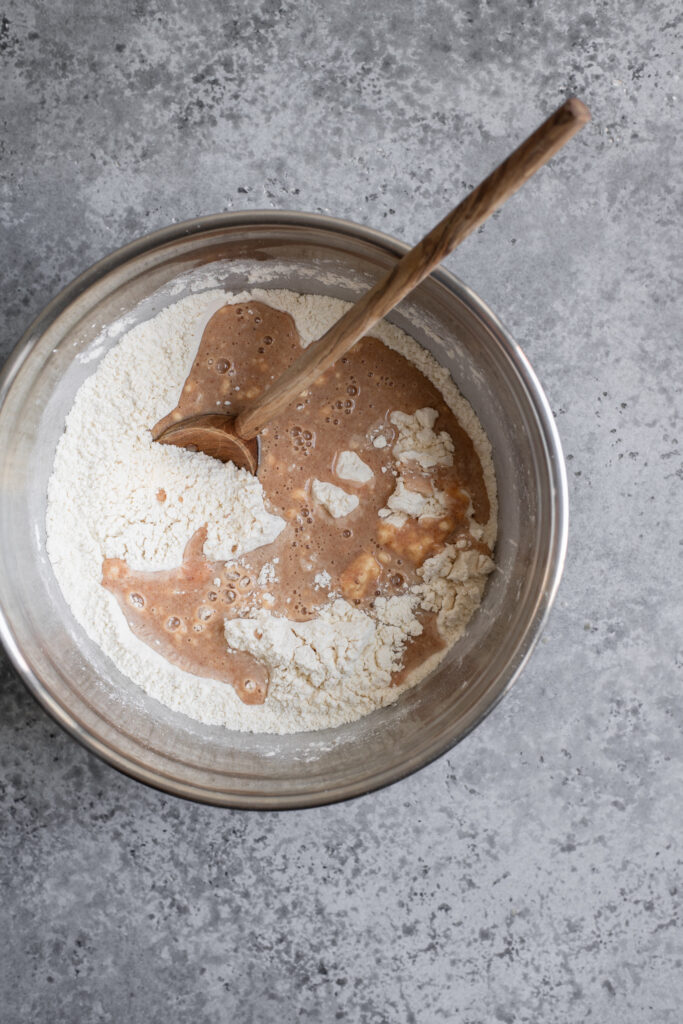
(555,464)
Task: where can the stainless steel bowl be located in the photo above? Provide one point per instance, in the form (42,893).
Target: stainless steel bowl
(80,687)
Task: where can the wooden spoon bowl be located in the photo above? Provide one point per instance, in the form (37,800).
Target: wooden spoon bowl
(215,435)
(227,438)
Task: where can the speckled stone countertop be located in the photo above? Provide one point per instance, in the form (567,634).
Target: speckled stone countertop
(533,874)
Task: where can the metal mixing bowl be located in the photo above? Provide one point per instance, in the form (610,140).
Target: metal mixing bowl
(106,712)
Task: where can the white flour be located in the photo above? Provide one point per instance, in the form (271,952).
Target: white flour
(404,504)
(349,466)
(116,494)
(418,440)
(336,500)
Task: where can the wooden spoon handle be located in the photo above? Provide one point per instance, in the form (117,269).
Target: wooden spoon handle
(417,264)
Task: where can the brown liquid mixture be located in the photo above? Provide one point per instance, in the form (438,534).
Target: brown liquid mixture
(180,613)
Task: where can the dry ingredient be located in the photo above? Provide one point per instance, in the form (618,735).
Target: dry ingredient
(116,495)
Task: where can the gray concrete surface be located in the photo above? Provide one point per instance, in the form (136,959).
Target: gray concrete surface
(533,874)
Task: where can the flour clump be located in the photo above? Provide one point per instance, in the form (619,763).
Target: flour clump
(336,500)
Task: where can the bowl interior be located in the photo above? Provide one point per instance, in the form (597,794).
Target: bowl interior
(82,688)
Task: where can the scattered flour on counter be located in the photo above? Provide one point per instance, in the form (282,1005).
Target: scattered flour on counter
(104,501)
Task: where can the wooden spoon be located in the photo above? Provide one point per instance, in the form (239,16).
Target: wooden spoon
(234,439)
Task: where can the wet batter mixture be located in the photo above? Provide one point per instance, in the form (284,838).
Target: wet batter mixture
(330,467)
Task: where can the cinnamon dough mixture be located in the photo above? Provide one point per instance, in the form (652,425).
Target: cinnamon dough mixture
(303,598)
